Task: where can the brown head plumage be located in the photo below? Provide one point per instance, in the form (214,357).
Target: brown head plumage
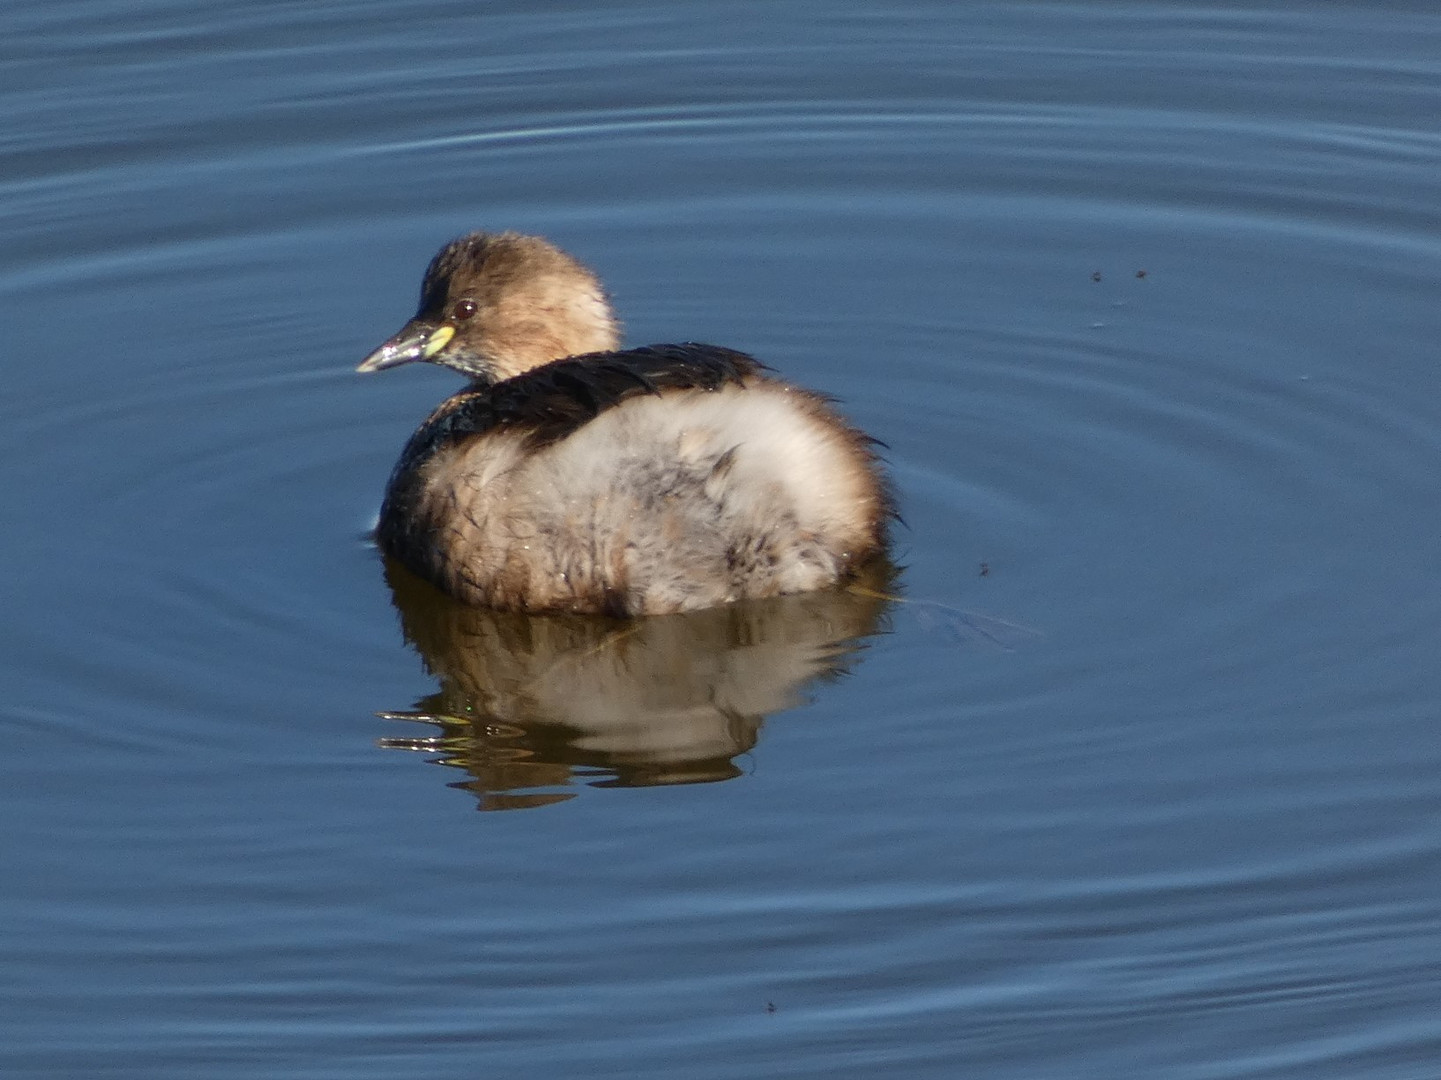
(495,305)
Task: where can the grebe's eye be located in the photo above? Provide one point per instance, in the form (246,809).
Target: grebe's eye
(463,310)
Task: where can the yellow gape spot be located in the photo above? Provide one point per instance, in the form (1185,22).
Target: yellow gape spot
(437,341)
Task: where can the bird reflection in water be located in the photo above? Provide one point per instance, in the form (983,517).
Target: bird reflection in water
(529,705)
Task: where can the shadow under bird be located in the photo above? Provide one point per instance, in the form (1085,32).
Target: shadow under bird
(574,476)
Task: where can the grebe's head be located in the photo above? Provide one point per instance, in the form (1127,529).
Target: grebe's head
(495,305)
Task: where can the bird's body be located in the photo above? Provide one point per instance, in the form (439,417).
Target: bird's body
(646,481)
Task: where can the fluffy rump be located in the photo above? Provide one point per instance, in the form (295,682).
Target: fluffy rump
(661,502)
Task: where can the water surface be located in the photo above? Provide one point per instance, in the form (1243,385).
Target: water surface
(1141,777)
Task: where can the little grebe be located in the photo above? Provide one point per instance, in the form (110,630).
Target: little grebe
(572,476)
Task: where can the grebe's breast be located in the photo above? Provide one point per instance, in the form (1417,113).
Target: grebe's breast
(653,480)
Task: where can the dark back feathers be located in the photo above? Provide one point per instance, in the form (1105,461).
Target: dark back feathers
(556,399)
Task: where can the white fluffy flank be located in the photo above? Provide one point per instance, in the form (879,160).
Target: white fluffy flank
(677,501)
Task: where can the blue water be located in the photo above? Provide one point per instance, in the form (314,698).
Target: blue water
(1139,778)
